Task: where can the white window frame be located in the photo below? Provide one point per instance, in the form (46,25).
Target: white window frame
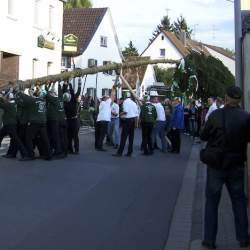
(49,68)
(11,9)
(37,16)
(104,41)
(51,17)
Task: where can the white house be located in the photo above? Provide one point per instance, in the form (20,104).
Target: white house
(167,45)
(96,44)
(31,38)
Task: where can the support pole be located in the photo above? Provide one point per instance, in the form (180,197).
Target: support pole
(238,48)
(246,81)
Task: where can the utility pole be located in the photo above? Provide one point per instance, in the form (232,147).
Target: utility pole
(238,45)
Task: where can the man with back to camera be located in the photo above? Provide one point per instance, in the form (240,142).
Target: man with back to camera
(129,115)
(227,131)
(103,119)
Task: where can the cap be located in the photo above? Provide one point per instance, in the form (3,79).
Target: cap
(153,93)
(234,92)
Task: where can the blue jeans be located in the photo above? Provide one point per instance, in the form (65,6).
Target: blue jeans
(234,181)
(159,130)
(114,130)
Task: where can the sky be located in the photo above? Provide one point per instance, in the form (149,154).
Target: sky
(135,20)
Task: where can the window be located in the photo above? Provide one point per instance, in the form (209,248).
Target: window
(66,62)
(104,41)
(162,37)
(91,92)
(109,72)
(51,17)
(37,18)
(34,67)
(49,67)
(106,91)
(11,7)
(162,52)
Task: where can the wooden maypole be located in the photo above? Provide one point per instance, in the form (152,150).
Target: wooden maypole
(87,71)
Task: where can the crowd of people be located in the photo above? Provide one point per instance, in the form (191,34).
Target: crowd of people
(43,119)
(47,118)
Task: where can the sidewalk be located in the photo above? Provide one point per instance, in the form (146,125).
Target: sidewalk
(187,224)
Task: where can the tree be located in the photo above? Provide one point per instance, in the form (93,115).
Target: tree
(78,4)
(166,24)
(131,50)
(164,75)
(212,75)
(181,25)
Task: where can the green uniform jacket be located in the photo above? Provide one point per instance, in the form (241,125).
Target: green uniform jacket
(148,113)
(10,112)
(53,105)
(22,111)
(36,108)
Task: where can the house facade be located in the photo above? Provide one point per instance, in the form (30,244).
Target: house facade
(168,45)
(97,45)
(31,40)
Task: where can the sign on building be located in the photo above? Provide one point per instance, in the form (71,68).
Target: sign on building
(70,43)
(43,43)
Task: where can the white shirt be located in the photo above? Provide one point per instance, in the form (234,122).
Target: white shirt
(211,109)
(115,109)
(130,108)
(105,111)
(161,116)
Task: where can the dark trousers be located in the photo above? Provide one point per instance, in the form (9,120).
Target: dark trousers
(234,181)
(128,129)
(35,131)
(73,131)
(63,135)
(21,131)
(101,130)
(54,137)
(175,138)
(11,130)
(147,129)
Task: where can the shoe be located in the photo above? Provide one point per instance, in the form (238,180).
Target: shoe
(117,155)
(9,156)
(116,146)
(129,154)
(27,159)
(101,149)
(208,245)
(58,156)
(244,243)
(145,154)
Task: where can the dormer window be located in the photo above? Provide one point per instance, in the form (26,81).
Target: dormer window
(104,41)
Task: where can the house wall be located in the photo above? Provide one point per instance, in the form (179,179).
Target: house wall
(94,51)
(153,51)
(229,63)
(148,80)
(20,30)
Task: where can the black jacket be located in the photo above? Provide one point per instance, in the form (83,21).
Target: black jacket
(233,139)
(72,107)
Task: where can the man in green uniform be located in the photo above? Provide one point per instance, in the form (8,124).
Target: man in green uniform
(148,117)
(10,123)
(53,106)
(37,122)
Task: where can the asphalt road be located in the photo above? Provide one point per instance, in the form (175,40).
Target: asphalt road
(92,201)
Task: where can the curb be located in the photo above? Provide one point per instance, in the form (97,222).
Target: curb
(181,225)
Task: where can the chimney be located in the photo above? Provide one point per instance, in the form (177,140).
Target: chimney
(183,37)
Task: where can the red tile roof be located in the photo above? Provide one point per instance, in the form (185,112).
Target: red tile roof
(191,45)
(83,23)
